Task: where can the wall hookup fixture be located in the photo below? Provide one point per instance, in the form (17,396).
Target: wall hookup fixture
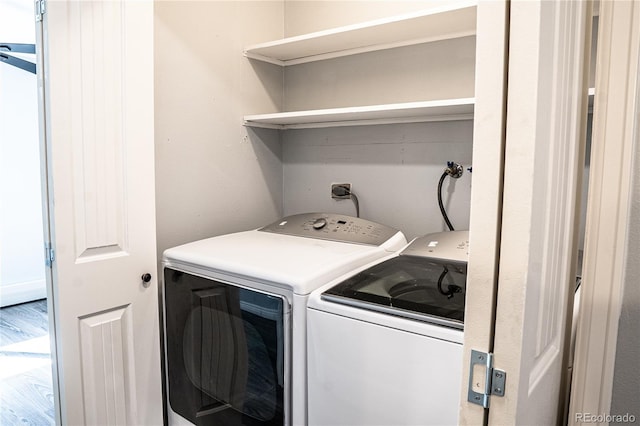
(342,191)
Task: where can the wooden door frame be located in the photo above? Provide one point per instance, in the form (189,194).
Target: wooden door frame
(489,131)
(615,132)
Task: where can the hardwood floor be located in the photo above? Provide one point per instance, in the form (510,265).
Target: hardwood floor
(26,391)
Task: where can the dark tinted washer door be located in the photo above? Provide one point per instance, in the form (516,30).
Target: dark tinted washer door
(410,286)
(225,352)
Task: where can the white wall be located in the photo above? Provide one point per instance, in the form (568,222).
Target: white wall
(305,16)
(22,269)
(439,70)
(394,169)
(213,175)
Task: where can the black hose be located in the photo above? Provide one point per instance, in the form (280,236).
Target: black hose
(442,210)
(356,203)
(442,275)
(452,289)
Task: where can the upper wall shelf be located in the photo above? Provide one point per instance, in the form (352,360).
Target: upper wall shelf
(447,22)
(411,112)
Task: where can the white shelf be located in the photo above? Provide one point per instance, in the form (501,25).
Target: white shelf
(451,21)
(412,112)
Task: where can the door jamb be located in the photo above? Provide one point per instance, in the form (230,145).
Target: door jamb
(47,197)
(616,125)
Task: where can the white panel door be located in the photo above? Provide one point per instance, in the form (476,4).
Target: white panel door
(549,46)
(98,92)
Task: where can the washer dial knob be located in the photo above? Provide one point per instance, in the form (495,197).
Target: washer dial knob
(319,223)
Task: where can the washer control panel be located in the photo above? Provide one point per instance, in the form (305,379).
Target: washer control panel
(333,227)
(452,245)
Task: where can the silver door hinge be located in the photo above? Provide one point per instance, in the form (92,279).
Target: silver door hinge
(494,379)
(49,254)
(41,8)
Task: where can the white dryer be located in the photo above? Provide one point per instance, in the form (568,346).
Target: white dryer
(385,341)
(234,315)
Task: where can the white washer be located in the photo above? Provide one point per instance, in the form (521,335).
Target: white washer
(385,341)
(235,315)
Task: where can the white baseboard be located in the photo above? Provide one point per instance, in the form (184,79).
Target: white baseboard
(27,291)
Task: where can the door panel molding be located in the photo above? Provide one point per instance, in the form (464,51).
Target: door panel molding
(106,342)
(98,151)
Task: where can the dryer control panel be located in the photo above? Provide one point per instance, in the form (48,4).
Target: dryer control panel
(333,227)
